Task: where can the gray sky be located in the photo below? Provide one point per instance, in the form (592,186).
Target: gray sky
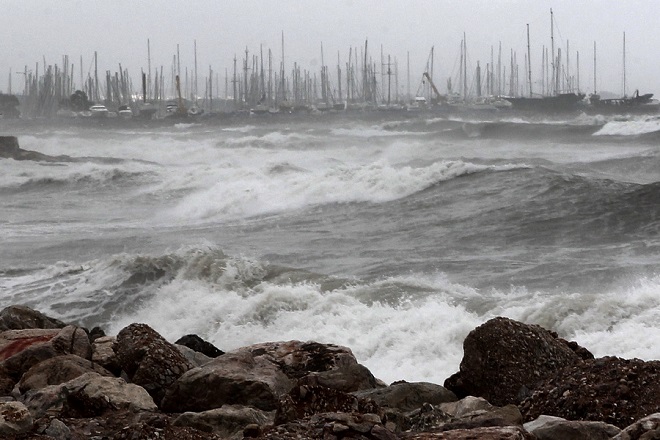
(32,30)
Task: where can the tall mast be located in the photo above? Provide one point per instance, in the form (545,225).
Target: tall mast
(595,68)
(465,88)
(149,64)
(529,63)
(624,65)
(552,50)
(195,93)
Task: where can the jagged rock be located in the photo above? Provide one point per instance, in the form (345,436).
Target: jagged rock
(234,378)
(100,393)
(304,401)
(58,370)
(257,375)
(196,358)
(488,433)
(22,317)
(226,421)
(199,345)
(556,428)
(502,358)
(14,418)
(647,428)
(350,378)
(9,149)
(148,359)
(408,396)
(22,349)
(104,354)
(612,390)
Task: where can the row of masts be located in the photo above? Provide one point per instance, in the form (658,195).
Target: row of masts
(259,80)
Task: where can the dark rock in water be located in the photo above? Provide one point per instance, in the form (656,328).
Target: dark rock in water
(21,317)
(503,359)
(196,343)
(613,390)
(149,360)
(9,149)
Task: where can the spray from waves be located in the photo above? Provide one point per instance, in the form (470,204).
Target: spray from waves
(244,193)
(630,127)
(406,327)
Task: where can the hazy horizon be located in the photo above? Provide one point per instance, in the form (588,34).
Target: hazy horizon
(35,32)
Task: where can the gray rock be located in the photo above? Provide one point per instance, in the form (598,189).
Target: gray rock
(408,396)
(226,421)
(58,370)
(15,418)
(556,428)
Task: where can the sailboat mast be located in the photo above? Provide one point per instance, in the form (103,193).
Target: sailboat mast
(625,95)
(552,53)
(529,63)
(595,90)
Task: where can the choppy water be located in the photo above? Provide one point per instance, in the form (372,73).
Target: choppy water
(394,238)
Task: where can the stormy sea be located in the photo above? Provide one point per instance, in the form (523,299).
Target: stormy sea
(393,236)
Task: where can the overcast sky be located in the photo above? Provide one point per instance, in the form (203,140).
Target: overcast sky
(32,30)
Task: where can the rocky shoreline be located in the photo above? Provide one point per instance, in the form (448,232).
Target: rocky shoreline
(516,381)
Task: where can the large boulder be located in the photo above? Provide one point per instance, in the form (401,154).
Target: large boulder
(647,428)
(503,359)
(235,378)
(58,370)
(88,395)
(260,374)
(148,359)
(612,390)
(20,350)
(23,317)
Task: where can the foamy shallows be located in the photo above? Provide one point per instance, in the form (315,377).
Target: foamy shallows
(630,127)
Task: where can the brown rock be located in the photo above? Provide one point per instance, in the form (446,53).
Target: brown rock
(488,433)
(408,396)
(612,390)
(503,358)
(58,370)
(22,317)
(148,359)
(556,428)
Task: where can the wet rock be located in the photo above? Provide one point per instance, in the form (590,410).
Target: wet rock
(488,433)
(104,354)
(148,359)
(504,358)
(646,428)
(612,390)
(199,345)
(196,358)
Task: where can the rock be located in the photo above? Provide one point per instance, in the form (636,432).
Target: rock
(226,421)
(14,418)
(199,345)
(330,426)
(612,390)
(304,401)
(258,375)
(20,350)
(58,430)
(503,358)
(350,378)
(9,149)
(88,395)
(22,317)
(58,370)
(149,360)
(196,358)
(646,428)
(556,428)
(238,378)
(408,396)
(466,406)
(104,354)
(488,433)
